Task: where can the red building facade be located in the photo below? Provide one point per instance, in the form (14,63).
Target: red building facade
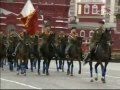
(54,10)
(57,12)
(89,11)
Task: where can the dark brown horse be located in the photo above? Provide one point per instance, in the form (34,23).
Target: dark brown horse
(2,51)
(74,54)
(47,50)
(101,54)
(22,55)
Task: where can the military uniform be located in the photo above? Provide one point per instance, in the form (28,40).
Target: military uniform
(71,41)
(44,40)
(96,38)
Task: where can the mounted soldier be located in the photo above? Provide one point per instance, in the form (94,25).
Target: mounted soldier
(73,51)
(61,43)
(95,40)
(2,49)
(72,38)
(47,48)
(34,52)
(10,50)
(23,51)
(100,51)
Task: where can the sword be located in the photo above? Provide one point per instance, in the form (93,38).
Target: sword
(14,53)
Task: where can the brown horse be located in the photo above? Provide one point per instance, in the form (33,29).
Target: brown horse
(2,52)
(74,54)
(22,56)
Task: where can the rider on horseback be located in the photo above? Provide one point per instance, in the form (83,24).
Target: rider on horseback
(72,40)
(95,40)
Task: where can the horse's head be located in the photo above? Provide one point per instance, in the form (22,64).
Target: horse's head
(106,37)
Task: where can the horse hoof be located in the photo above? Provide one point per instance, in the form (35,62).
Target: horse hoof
(103,80)
(71,75)
(68,73)
(25,74)
(43,72)
(17,73)
(47,74)
(96,78)
(91,80)
(38,73)
(79,72)
(58,69)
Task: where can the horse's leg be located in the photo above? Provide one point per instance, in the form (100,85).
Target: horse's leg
(11,64)
(1,63)
(18,66)
(57,65)
(35,60)
(104,72)
(15,62)
(39,66)
(35,63)
(68,70)
(60,64)
(24,66)
(79,72)
(71,67)
(47,66)
(91,71)
(44,66)
(96,70)
(49,63)
(31,62)
(63,65)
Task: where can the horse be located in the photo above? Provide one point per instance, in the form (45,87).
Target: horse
(74,53)
(60,49)
(47,50)
(101,54)
(10,52)
(35,54)
(3,52)
(22,54)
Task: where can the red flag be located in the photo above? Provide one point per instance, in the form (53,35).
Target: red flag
(30,18)
(31,22)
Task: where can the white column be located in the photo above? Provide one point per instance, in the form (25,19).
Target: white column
(76,8)
(112,8)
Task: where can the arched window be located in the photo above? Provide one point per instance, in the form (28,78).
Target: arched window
(94,9)
(91,33)
(82,33)
(86,9)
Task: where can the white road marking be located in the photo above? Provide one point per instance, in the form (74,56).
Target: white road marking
(20,83)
